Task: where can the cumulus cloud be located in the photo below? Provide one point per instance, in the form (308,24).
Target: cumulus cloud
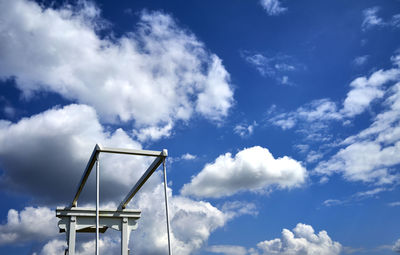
(302,241)
(55,145)
(250,169)
(30,224)
(273,7)
(154,76)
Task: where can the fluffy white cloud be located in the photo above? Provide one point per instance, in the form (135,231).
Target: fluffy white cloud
(363,161)
(302,241)
(53,247)
(251,169)
(369,155)
(188,156)
(55,145)
(30,224)
(273,7)
(365,90)
(154,76)
(191,223)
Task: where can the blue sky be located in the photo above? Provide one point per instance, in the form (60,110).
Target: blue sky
(281,119)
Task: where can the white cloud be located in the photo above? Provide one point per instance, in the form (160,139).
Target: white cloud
(56,146)
(302,241)
(396,246)
(273,7)
(227,249)
(251,169)
(155,76)
(395,20)
(31,223)
(192,222)
(368,155)
(371,18)
(363,161)
(393,204)
(153,133)
(360,60)
(311,117)
(244,130)
(236,208)
(52,247)
(365,90)
(277,66)
(313,156)
(356,197)
(333,202)
(188,156)
(107,245)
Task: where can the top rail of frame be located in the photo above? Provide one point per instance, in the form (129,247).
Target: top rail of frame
(96,151)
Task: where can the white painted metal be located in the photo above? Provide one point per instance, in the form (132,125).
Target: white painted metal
(84,220)
(166,207)
(132,152)
(71,235)
(124,236)
(86,174)
(74,219)
(97,202)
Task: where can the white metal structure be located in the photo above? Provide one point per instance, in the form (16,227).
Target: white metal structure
(89,220)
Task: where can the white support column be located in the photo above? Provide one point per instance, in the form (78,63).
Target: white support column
(124,236)
(166,207)
(97,202)
(71,235)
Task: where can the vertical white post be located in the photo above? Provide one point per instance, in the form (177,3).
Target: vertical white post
(124,236)
(71,235)
(97,202)
(166,206)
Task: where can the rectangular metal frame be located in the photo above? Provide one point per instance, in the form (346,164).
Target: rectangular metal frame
(160,156)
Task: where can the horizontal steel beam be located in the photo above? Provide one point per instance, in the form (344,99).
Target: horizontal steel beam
(91,212)
(133,152)
(153,167)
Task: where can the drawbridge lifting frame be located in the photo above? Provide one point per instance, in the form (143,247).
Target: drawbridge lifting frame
(89,220)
